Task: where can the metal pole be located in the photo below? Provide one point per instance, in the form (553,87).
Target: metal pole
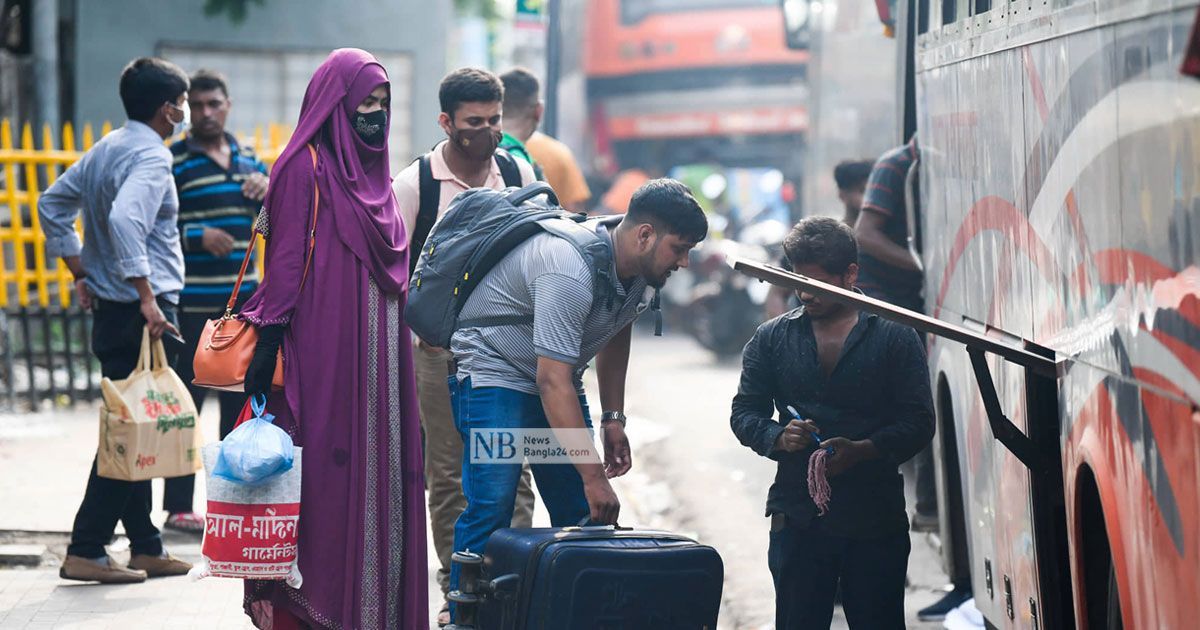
(48,348)
(45,61)
(982,341)
(553,66)
(27,337)
(68,353)
(9,364)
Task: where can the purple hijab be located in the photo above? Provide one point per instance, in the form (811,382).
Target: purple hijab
(353,177)
(349,396)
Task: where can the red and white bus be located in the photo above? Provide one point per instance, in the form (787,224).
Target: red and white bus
(1059,206)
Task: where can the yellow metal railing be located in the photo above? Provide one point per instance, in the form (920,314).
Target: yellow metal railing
(26,275)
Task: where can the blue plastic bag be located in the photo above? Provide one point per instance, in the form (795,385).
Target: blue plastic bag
(255,451)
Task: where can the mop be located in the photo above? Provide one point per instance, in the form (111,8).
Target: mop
(818,481)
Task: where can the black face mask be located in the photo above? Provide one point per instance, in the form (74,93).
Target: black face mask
(372,127)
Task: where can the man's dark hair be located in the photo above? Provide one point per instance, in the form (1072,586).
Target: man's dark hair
(208,80)
(822,241)
(469,85)
(520,92)
(147,83)
(668,204)
(852,174)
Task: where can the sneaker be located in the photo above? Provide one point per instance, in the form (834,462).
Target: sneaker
(925,522)
(159,566)
(948,602)
(105,572)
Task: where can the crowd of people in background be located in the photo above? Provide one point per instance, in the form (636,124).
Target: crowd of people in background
(382,414)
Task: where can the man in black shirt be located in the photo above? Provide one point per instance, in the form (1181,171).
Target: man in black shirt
(860,384)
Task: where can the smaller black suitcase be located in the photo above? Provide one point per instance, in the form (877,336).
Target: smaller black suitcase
(589,578)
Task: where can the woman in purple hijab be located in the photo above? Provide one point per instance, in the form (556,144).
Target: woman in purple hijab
(349,396)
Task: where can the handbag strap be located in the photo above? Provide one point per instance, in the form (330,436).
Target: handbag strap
(312,243)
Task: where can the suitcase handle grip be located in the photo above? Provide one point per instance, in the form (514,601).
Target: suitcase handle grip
(504,586)
(585,523)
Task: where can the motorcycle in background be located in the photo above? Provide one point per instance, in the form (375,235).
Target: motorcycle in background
(724,308)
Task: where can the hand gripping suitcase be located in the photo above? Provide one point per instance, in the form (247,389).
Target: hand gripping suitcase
(584,578)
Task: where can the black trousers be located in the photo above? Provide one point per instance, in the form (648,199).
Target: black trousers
(178,491)
(116,342)
(927,498)
(807,566)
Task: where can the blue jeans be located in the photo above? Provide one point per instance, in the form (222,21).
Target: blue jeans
(491,489)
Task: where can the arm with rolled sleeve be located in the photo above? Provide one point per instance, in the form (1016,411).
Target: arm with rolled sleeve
(58,208)
(912,424)
(134,210)
(754,403)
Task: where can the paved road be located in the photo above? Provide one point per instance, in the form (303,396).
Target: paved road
(696,477)
(690,475)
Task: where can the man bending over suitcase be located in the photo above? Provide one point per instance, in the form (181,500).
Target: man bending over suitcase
(861,386)
(529,376)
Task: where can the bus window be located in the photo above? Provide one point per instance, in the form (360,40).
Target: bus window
(949,11)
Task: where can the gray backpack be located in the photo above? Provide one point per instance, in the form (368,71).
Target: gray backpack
(480,228)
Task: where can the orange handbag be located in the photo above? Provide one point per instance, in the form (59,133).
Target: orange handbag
(227,343)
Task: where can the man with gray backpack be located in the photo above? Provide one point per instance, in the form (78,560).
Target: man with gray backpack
(471,117)
(526,294)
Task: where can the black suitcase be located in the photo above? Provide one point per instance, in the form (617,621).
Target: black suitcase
(589,578)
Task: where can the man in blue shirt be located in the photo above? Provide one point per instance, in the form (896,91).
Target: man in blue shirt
(128,272)
(860,383)
(221,185)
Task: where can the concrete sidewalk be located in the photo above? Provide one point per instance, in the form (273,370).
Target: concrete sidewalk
(44,463)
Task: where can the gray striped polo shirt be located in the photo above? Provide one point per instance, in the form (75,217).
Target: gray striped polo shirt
(547,277)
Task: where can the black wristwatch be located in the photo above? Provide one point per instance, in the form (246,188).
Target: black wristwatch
(618,416)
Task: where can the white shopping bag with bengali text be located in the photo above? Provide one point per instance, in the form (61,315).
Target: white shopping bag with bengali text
(251,531)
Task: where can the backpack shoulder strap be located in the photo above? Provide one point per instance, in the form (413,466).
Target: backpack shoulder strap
(431,196)
(312,232)
(312,240)
(508,169)
(595,250)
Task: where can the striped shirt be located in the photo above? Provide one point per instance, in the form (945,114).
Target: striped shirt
(547,277)
(885,197)
(211,196)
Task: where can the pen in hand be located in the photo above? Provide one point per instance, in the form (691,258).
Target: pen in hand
(796,414)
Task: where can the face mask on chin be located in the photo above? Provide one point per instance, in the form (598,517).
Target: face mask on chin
(371,127)
(478,144)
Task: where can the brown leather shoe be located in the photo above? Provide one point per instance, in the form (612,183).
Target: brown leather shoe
(84,570)
(156,566)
